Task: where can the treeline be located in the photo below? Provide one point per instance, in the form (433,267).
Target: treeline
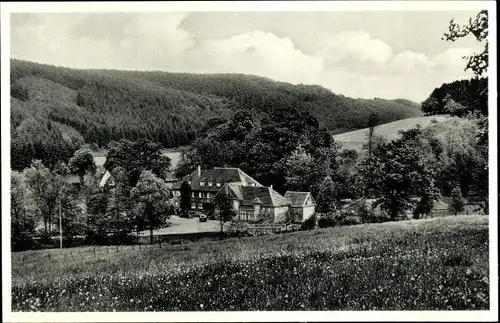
(137,200)
(459,98)
(100,106)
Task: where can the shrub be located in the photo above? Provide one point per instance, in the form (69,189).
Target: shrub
(237,228)
(310,223)
(327,220)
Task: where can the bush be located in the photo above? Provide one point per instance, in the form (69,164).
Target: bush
(352,220)
(327,220)
(310,223)
(237,229)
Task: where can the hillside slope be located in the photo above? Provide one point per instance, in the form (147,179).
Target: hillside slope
(356,139)
(98,106)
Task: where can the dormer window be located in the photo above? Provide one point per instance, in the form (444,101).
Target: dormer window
(192,194)
(202,183)
(218,184)
(209,183)
(200,195)
(189,182)
(252,184)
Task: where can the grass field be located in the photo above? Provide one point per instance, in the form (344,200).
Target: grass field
(426,264)
(356,139)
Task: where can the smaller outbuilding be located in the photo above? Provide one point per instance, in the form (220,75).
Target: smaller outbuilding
(302,205)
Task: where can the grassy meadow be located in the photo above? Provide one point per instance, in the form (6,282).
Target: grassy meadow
(431,264)
(355,139)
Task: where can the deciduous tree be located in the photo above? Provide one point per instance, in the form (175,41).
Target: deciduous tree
(82,163)
(226,212)
(152,197)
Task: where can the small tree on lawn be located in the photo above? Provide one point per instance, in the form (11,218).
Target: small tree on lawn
(327,196)
(185,197)
(226,212)
(152,197)
(457,202)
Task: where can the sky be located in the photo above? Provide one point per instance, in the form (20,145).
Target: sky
(357,54)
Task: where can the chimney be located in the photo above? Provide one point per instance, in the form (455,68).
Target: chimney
(199,170)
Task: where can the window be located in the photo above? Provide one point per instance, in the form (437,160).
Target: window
(209,195)
(189,182)
(176,203)
(209,183)
(200,206)
(192,194)
(200,194)
(218,184)
(193,205)
(252,184)
(202,183)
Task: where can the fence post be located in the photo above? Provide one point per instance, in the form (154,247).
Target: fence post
(133,247)
(48,255)
(139,247)
(107,249)
(117,248)
(160,244)
(94,250)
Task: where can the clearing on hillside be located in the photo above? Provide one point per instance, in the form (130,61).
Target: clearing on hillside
(356,139)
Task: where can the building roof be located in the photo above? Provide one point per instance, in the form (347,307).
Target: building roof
(220,175)
(104,179)
(261,194)
(298,199)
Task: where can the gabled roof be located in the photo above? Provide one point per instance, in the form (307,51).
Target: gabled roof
(220,175)
(266,195)
(298,199)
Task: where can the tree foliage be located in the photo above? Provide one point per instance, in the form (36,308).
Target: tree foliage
(152,196)
(185,191)
(477,27)
(45,188)
(137,156)
(23,220)
(327,196)
(225,205)
(82,163)
(457,202)
(404,172)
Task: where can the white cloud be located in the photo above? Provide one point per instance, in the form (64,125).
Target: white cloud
(452,58)
(355,44)
(408,61)
(142,42)
(260,53)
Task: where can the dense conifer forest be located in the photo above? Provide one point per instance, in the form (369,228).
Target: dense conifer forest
(54,110)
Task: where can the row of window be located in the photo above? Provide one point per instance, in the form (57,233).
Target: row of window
(216,184)
(193,194)
(202,195)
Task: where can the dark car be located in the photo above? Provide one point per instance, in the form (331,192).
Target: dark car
(203,217)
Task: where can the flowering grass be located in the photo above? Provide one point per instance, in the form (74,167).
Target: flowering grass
(435,264)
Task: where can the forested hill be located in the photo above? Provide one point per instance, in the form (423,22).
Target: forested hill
(62,107)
